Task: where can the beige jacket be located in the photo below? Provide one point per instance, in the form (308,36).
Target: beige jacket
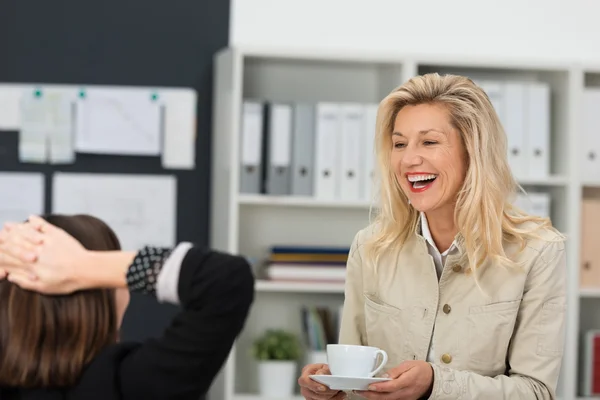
(505,346)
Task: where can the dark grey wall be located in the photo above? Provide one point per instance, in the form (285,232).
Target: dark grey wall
(121,42)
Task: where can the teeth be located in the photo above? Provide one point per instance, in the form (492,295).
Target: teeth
(416,178)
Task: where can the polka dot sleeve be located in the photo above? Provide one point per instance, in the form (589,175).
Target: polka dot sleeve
(142,275)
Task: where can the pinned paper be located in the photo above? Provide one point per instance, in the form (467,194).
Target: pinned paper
(10,99)
(179,150)
(22,196)
(46,126)
(113,120)
(141,209)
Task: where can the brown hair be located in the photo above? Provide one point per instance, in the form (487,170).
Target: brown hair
(46,340)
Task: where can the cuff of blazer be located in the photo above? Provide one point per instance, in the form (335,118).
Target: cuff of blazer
(167,282)
(446,384)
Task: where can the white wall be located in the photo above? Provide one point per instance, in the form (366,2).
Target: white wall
(540,29)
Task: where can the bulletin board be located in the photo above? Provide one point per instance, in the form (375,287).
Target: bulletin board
(136,43)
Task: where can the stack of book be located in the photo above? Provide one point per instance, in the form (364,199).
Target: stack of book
(320,327)
(307,263)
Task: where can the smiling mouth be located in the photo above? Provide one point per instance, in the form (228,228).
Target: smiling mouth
(419,182)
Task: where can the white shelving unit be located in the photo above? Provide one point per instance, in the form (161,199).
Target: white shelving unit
(249,224)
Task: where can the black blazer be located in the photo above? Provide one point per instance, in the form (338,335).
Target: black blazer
(216,291)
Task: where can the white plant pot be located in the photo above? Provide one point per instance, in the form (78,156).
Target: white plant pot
(276,378)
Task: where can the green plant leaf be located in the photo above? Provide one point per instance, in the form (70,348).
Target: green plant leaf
(276,344)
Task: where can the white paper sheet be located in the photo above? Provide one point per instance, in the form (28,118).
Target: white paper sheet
(141,209)
(179,150)
(10,98)
(46,120)
(22,196)
(61,127)
(118,121)
(33,136)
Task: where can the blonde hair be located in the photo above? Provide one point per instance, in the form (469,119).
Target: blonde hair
(484,212)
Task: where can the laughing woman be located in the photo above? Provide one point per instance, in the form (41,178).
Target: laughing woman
(465,292)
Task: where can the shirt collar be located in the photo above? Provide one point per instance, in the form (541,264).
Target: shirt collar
(427,235)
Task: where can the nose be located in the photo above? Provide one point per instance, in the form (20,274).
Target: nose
(411,157)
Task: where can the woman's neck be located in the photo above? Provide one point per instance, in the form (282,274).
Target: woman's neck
(442,227)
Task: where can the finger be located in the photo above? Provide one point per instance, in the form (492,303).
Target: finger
(9,260)
(29,232)
(23,242)
(2,274)
(397,395)
(310,369)
(314,386)
(307,382)
(397,382)
(23,281)
(41,224)
(319,387)
(15,254)
(330,395)
(8,226)
(24,270)
(402,382)
(4,234)
(324,370)
(399,370)
(340,396)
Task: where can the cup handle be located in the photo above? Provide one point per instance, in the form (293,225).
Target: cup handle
(384,359)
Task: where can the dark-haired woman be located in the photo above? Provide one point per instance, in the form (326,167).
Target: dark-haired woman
(64,291)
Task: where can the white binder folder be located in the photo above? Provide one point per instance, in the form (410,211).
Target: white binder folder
(514,108)
(251,147)
(327,150)
(538,130)
(279,139)
(590,157)
(303,149)
(495,92)
(350,177)
(368,151)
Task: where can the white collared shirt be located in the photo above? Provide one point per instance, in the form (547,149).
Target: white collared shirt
(439,260)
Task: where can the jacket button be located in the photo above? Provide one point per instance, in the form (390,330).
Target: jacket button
(447,309)
(446,358)
(457,268)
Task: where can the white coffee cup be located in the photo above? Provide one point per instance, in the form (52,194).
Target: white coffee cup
(355,361)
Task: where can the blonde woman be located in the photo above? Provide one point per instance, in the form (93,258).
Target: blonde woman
(464,292)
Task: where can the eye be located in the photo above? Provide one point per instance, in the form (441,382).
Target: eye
(399,145)
(429,142)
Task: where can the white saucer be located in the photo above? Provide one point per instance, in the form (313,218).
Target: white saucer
(346,382)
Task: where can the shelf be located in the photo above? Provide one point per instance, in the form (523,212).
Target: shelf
(589,292)
(300,201)
(299,287)
(589,184)
(555,180)
(305,201)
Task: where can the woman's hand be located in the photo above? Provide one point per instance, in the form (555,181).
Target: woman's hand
(312,390)
(41,257)
(411,380)
(17,247)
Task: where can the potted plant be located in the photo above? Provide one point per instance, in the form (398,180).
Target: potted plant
(277,353)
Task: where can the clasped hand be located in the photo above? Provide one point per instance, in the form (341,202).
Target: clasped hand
(38,256)
(411,380)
